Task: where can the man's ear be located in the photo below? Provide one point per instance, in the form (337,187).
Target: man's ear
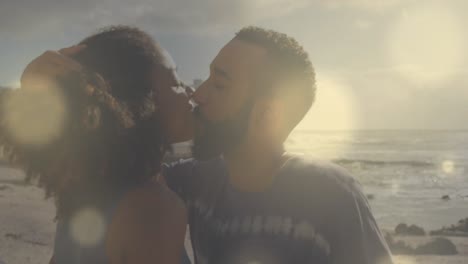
(269,113)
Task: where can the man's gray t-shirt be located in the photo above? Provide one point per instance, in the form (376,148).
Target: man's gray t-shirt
(314,212)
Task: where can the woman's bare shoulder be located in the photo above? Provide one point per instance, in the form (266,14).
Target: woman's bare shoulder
(154,201)
(149,224)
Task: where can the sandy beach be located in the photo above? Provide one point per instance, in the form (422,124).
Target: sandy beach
(27,227)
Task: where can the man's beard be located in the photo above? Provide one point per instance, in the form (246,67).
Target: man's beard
(219,137)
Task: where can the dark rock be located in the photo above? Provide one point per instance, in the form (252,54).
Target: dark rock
(415,230)
(438,246)
(459,229)
(412,230)
(4,187)
(401,229)
(13,236)
(445,197)
(370,196)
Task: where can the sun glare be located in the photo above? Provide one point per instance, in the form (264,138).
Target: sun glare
(14,84)
(334,108)
(426,43)
(35,116)
(448,167)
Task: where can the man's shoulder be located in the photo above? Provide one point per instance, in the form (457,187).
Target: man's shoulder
(186,167)
(319,174)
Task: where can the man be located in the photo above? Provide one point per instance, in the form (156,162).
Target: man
(255,203)
(249,201)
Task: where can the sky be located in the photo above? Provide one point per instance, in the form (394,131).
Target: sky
(380,64)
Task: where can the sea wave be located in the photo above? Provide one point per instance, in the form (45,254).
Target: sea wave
(408,163)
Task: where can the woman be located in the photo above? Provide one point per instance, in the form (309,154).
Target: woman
(95,139)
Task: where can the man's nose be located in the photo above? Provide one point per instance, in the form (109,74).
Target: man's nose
(200,95)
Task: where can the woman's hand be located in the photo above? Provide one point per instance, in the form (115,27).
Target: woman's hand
(50,65)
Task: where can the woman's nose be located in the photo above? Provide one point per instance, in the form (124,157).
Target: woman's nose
(189,90)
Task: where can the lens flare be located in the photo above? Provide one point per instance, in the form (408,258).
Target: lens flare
(87,227)
(448,167)
(35,116)
(426,43)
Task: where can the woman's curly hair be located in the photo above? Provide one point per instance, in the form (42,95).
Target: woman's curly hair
(111,138)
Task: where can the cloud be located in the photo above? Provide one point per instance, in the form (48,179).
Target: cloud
(398,74)
(363,24)
(366,5)
(24,17)
(429,41)
(386,100)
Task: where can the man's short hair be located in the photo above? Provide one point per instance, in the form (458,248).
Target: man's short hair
(289,63)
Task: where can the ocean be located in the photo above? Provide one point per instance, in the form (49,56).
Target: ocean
(406,173)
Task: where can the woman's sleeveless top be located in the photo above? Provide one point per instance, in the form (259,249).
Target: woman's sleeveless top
(81,238)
